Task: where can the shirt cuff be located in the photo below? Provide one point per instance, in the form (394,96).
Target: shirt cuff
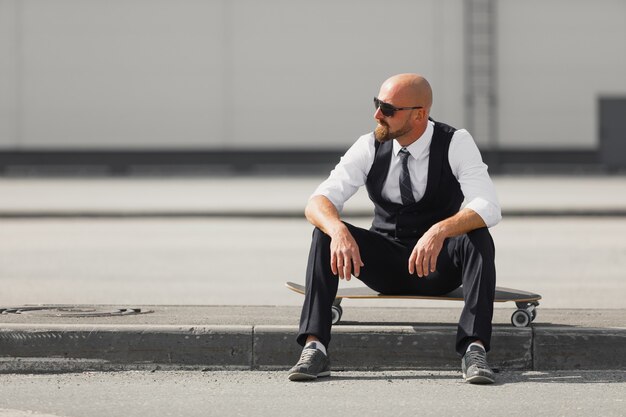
(328,195)
(489,212)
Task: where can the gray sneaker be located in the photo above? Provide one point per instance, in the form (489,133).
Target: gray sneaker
(312,364)
(475,368)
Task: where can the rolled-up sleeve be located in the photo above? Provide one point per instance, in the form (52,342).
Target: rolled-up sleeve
(349,174)
(471,172)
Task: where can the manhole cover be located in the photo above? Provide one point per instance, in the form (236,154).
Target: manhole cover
(75,311)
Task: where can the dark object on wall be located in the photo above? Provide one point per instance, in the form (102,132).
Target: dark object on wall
(612,120)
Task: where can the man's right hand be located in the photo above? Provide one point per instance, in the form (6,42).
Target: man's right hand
(345,257)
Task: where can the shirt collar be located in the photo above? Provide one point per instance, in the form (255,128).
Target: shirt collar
(417,148)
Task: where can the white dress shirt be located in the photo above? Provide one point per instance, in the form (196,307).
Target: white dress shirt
(465,161)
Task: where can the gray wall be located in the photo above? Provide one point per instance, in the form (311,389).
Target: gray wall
(556,58)
(185,74)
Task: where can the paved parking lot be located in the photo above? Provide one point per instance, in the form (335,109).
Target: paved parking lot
(397,393)
(575,262)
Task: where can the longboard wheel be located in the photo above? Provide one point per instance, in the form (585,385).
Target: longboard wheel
(337,311)
(521,318)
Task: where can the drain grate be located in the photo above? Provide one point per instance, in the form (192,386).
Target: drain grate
(74,311)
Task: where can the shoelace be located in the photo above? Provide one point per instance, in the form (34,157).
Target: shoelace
(477,358)
(307,356)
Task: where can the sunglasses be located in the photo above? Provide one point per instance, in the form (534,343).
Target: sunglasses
(388,110)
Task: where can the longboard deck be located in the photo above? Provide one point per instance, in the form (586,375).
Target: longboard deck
(502,294)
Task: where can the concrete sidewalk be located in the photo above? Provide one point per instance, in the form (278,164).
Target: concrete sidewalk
(277,196)
(104,338)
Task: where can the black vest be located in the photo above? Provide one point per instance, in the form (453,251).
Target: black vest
(442,198)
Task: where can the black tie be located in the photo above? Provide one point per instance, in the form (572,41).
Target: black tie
(406,191)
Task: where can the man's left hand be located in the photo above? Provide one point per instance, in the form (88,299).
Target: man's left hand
(423,259)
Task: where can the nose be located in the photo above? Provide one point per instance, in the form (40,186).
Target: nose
(378,114)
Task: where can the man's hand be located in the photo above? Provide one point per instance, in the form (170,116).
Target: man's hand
(423,259)
(344,254)
(344,251)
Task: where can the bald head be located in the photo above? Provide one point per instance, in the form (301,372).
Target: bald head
(412,96)
(408,90)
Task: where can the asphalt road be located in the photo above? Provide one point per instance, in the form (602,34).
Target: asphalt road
(397,393)
(574,262)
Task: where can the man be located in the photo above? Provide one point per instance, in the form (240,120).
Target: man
(417,172)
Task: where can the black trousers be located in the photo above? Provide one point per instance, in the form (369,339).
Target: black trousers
(466,260)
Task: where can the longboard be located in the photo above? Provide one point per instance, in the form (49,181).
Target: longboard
(526,302)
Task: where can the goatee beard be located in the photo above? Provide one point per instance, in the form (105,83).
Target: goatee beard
(381,133)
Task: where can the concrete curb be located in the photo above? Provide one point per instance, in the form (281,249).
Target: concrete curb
(74,348)
(579,348)
(45,348)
